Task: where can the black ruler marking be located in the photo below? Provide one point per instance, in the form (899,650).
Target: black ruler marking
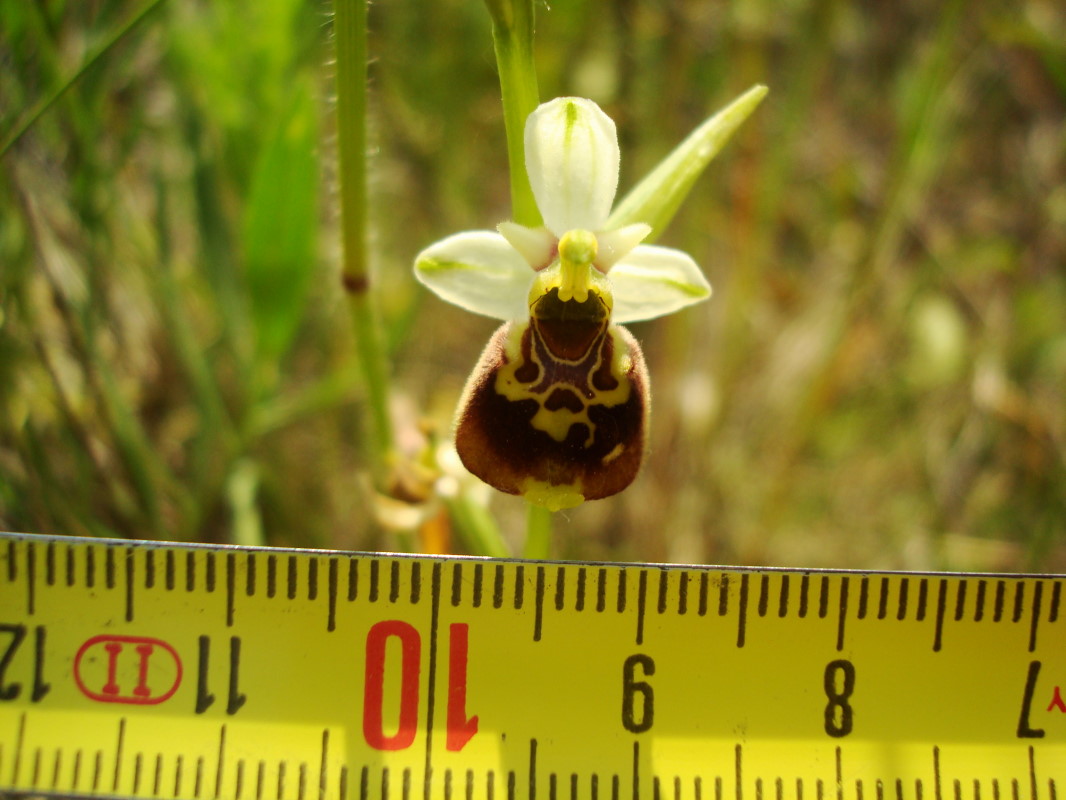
(664,588)
(353,578)
(231,587)
(457,583)
(642,597)
(90,566)
(12,564)
(997,608)
(129,583)
(901,611)
(582,578)
(312,578)
(682,592)
(209,579)
(782,602)
(764,594)
(170,570)
(1034,620)
(375,566)
(519,586)
(31,577)
(622,590)
(479,579)
(416,583)
(118,754)
(434,622)
(742,612)
(190,570)
(960,600)
(272,576)
(291,578)
(532,769)
(50,563)
(805,587)
(394,581)
(560,588)
(109,566)
(1019,601)
(864,597)
(497,587)
(704,580)
(538,619)
(979,611)
(843,612)
(332,579)
(882,599)
(941,603)
(601,589)
(636,770)
(219,769)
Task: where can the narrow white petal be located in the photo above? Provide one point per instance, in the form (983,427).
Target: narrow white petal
(478,271)
(652,281)
(572,162)
(616,244)
(536,245)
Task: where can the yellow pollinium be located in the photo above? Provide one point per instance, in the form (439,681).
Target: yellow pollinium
(575,273)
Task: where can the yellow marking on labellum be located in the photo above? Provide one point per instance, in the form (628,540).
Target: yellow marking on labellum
(611,456)
(564,389)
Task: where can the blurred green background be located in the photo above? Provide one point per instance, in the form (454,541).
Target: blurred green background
(878,382)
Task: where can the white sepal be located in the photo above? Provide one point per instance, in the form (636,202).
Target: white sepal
(572,162)
(652,281)
(479,271)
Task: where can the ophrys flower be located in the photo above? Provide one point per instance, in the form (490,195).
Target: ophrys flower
(556,409)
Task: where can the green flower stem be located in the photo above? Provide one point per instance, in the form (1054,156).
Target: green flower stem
(349,25)
(538,532)
(512,35)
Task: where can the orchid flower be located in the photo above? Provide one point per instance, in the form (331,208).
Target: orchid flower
(556,409)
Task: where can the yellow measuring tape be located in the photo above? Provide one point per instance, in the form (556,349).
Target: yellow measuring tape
(144,670)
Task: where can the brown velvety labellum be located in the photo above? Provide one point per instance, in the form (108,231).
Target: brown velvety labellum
(557,403)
